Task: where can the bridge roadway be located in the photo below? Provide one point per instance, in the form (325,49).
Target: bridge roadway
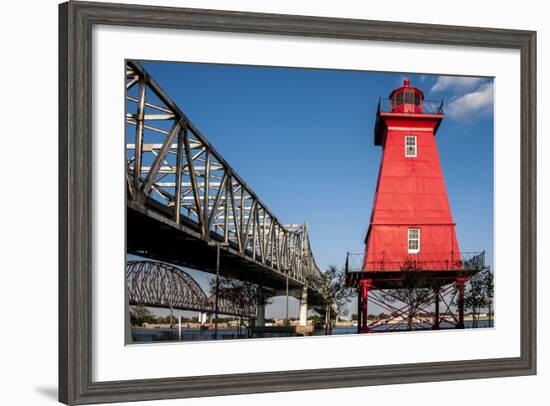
(185,202)
(151,234)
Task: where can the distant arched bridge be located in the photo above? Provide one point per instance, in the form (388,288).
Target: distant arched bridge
(158,284)
(185,202)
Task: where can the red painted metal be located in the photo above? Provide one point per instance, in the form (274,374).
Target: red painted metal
(410,192)
(423,319)
(365,286)
(359,311)
(407,99)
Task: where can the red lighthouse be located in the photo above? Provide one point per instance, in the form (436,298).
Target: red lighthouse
(411,230)
(411,216)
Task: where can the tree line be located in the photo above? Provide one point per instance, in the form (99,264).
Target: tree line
(414,291)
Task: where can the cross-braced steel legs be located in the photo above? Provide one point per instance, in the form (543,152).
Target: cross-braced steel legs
(433,311)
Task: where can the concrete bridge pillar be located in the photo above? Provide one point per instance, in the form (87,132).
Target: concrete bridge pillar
(203,318)
(127,321)
(303,307)
(260,315)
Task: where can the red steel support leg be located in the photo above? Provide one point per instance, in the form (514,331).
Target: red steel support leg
(365,302)
(460,282)
(359,308)
(436,315)
(365,285)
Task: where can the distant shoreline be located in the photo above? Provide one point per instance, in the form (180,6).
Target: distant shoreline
(230,325)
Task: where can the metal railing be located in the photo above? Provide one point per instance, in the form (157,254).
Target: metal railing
(422,261)
(428,106)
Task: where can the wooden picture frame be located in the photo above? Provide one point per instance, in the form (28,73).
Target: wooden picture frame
(76,20)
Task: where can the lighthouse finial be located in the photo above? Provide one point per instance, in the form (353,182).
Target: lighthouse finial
(406,82)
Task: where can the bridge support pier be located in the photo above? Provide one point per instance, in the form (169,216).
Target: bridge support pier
(203,318)
(127,321)
(260,315)
(303,307)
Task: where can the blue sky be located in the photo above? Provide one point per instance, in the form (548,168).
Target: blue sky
(303,140)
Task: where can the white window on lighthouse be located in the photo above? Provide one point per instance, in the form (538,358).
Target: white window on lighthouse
(410,146)
(414,240)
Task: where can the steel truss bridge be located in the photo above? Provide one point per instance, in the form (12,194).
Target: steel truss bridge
(185,202)
(158,284)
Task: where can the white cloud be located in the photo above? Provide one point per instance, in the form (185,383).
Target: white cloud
(455,83)
(472,105)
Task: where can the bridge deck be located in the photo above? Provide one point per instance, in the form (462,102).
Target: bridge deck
(152,235)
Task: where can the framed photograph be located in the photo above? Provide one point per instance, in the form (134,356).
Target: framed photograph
(276,202)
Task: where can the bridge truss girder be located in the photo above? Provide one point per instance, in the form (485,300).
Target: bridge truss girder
(160,285)
(173,170)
